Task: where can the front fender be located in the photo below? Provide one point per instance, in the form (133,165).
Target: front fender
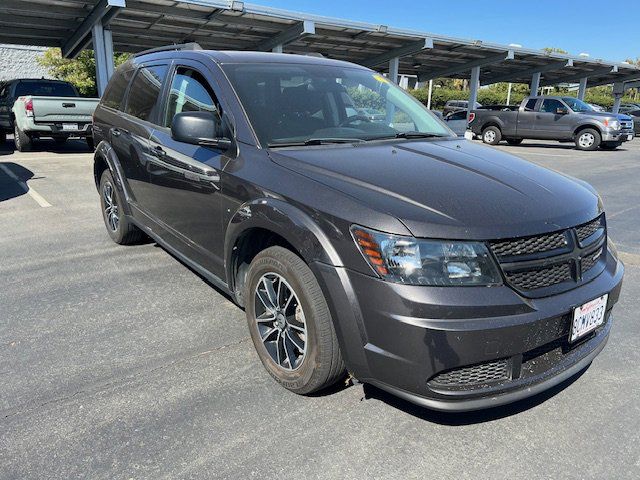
(291,223)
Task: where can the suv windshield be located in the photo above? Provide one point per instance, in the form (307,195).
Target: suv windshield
(301,103)
(578,105)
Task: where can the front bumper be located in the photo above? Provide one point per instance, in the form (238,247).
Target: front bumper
(404,339)
(618,135)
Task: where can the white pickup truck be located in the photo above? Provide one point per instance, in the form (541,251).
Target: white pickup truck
(36,108)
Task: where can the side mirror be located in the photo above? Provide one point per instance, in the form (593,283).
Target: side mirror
(562,111)
(199,128)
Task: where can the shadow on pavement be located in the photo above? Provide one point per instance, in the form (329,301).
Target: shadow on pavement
(9,186)
(468,418)
(76,145)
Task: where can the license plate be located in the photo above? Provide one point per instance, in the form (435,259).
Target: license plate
(70,127)
(588,317)
(629,137)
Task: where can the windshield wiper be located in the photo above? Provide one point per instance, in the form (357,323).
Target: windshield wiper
(316,141)
(419,135)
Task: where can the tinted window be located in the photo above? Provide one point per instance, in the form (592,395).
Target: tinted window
(531,104)
(190,92)
(551,106)
(144,91)
(42,88)
(458,116)
(114,96)
(635,113)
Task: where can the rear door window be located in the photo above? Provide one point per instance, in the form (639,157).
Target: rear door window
(531,105)
(190,92)
(142,100)
(116,90)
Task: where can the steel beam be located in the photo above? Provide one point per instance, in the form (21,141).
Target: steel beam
(463,67)
(474,84)
(291,34)
(404,51)
(535,84)
(620,78)
(99,51)
(511,76)
(102,13)
(582,88)
(578,76)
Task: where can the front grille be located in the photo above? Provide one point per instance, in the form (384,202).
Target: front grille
(530,245)
(588,229)
(475,375)
(626,125)
(539,278)
(535,264)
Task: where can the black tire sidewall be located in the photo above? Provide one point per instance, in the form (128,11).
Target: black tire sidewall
(597,139)
(271,260)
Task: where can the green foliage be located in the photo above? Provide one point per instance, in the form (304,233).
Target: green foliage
(365,98)
(80,71)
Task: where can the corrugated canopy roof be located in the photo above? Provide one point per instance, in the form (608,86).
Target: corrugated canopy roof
(221,25)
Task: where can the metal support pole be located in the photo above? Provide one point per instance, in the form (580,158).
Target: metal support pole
(394,65)
(430,92)
(535,84)
(474,83)
(582,89)
(277,49)
(102,78)
(509,93)
(618,92)
(108,52)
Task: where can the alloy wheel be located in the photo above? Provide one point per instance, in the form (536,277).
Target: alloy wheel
(280,321)
(586,140)
(110,206)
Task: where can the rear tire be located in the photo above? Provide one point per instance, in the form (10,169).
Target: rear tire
(491,135)
(514,141)
(21,140)
(588,139)
(119,227)
(3,137)
(90,143)
(292,331)
(610,145)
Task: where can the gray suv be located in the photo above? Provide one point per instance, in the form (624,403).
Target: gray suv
(553,118)
(390,249)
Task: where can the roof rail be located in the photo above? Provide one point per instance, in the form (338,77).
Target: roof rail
(166,48)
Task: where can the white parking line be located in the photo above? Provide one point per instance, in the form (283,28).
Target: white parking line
(30,191)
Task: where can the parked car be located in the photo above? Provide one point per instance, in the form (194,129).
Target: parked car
(628,107)
(412,259)
(456,105)
(457,122)
(635,114)
(36,108)
(597,108)
(553,118)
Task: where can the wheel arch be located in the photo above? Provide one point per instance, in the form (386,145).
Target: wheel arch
(265,222)
(584,126)
(104,158)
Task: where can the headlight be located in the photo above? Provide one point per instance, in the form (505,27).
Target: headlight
(614,124)
(426,262)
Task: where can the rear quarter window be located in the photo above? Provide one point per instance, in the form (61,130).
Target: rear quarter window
(143,95)
(114,95)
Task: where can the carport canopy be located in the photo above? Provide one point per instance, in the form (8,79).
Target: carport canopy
(134,25)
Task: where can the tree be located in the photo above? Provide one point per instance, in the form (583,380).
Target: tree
(80,71)
(554,50)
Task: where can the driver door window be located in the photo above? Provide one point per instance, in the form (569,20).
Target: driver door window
(551,105)
(189,92)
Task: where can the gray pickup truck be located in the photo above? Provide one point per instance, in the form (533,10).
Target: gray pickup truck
(36,108)
(565,119)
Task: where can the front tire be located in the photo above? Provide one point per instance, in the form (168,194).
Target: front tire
(491,135)
(90,143)
(588,139)
(21,140)
(290,323)
(119,227)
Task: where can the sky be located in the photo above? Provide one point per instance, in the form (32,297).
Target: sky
(577,26)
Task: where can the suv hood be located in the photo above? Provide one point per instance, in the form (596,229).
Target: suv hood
(452,189)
